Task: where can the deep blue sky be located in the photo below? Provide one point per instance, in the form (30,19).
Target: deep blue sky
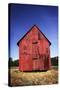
(23,17)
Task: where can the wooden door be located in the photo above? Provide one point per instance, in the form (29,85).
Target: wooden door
(35,56)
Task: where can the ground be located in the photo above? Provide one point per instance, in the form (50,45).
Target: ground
(18,78)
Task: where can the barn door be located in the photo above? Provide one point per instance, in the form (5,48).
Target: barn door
(35,56)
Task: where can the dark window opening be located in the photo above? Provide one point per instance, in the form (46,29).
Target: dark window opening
(35,58)
(34,42)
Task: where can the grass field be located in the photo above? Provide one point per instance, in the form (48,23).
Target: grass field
(18,78)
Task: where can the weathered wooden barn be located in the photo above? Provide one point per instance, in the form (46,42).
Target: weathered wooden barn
(34,51)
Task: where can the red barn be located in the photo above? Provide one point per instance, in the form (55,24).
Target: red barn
(34,51)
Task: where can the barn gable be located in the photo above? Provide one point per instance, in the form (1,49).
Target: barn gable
(34,27)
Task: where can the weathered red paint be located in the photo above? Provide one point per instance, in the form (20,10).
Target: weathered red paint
(34,51)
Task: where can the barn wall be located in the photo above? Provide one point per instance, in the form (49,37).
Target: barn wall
(44,58)
(34,52)
(25,53)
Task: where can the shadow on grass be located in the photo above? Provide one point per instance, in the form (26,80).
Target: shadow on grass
(35,71)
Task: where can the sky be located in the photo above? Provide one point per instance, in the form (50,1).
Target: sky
(22,17)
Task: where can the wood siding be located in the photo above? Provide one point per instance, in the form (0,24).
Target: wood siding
(34,52)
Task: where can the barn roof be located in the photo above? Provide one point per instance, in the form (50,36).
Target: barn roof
(29,31)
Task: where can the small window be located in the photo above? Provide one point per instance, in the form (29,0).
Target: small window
(34,42)
(35,58)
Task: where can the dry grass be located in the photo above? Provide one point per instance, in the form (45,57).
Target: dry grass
(33,78)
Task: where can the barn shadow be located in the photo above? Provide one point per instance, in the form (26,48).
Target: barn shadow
(36,71)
